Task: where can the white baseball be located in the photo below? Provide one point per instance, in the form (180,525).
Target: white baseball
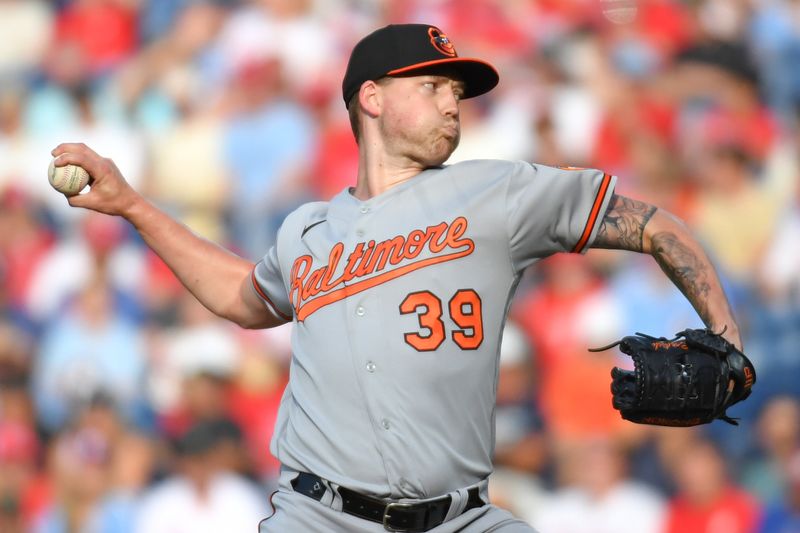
(69,179)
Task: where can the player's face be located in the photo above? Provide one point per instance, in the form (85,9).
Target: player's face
(419,119)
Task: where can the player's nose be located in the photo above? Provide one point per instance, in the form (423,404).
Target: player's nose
(449,103)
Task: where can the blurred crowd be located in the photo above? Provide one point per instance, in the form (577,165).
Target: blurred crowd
(126,407)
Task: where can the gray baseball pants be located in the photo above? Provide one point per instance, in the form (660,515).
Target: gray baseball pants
(295,512)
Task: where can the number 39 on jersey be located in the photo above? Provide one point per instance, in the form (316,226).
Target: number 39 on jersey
(464,309)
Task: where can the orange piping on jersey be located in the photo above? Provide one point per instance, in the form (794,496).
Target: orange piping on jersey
(266,298)
(370,258)
(598,201)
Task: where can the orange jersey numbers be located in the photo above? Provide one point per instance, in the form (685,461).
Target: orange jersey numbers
(430,319)
(465,311)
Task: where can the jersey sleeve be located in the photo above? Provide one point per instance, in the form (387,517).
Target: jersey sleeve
(268,284)
(554,210)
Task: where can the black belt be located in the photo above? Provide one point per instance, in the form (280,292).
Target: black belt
(395,516)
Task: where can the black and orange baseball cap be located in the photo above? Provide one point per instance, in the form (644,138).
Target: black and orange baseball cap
(408,48)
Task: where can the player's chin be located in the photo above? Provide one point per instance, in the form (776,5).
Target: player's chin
(441,149)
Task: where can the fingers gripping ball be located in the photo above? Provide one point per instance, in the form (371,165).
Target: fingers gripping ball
(689,380)
(69,179)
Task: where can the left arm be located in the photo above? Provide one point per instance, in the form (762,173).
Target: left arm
(640,227)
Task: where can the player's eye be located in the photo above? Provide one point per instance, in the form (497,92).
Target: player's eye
(429,85)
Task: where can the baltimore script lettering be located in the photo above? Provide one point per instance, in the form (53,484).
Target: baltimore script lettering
(311,290)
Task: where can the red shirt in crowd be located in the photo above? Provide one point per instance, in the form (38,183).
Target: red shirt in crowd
(735,511)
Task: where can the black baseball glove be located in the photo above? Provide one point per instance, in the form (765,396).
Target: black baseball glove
(689,380)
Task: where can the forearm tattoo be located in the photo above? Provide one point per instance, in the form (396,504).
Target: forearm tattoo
(686,270)
(623,225)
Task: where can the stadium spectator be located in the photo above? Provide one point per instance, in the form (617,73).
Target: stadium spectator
(783,516)
(90,348)
(521,451)
(203,495)
(266,142)
(766,475)
(562,317)
(707,500)
(599,496)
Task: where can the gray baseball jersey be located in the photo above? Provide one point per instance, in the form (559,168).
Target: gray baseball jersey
(399,304)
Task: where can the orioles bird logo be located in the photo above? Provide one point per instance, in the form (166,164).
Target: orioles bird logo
(441,42)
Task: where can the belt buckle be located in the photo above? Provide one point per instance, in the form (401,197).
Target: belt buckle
(387,516)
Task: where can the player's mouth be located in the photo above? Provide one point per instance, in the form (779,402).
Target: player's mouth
(451,131)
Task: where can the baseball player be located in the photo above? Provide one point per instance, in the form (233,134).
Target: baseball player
(398,290)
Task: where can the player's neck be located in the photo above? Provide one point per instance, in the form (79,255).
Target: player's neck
(378,171)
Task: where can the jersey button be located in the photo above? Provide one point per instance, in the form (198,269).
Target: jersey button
(371,367)
(360,311)
(364,209)
(385,424)
(359,233)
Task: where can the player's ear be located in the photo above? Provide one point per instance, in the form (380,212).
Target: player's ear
(370,98)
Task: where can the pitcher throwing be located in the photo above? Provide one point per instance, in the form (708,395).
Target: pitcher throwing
(398,289)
